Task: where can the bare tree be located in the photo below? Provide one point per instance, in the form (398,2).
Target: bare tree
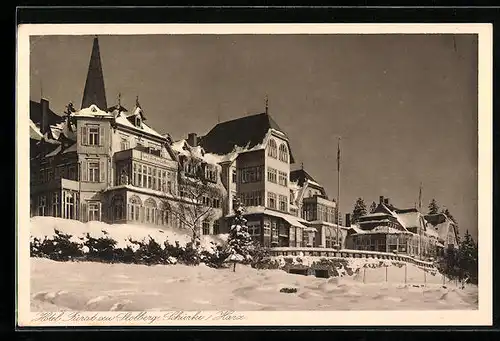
(193,201)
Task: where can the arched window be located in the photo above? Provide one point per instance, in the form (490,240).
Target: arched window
(118,207)
(151,210)
(134,207)
(283,153)
(272,149)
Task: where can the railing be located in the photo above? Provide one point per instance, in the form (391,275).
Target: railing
(346,253)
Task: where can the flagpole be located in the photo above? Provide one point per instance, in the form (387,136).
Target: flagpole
(338,192)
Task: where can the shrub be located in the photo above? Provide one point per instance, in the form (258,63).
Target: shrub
(61,248)
(189,255)
(100,249)
(217,258)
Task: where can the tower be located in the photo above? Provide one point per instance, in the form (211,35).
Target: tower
(94,92)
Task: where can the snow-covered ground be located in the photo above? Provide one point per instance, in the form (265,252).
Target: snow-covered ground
(104,287)
(89,286)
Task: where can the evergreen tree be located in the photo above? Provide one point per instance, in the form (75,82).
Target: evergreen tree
(240,244)
(433,207)
(448,214)
(373,207)
(467,258)
(359,210)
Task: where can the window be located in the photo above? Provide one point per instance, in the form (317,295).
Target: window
(283,205)
(234,176)
(283,178)
(56,205)
(42,203)
(150,178)
(71,173)
(210,173)
(124,144)
(49,174)
(271,175)
(134,207)
(154,180)
(137,121)
(93,169)
(271,200)
(118,207)
(216,203)
(254,228)
(69,203)
(144,176)
(253,198)
(291,197)
(216,227)
(283,153)
(150,208)
(205,227)
(93,139)
(251,174)
(267,229)
(94,211)
(272,149)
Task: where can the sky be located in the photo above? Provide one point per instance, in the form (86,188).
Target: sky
(404,106)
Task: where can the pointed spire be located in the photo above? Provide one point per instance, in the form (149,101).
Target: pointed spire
(302,165)
(94,92)
(137,104)
(119,99)
(41,88)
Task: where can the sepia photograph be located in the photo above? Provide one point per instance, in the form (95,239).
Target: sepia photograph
(220,176)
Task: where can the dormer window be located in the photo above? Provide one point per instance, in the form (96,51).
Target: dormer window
(272,149)
(138,121)
(283,155)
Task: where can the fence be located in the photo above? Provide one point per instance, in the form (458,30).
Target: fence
(334,253)
(404,274)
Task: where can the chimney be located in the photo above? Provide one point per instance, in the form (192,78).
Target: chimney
(386,201)
(347,220)
(44,125)
(381,199)
(192,139)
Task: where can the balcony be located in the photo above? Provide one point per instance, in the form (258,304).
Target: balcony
(145,154)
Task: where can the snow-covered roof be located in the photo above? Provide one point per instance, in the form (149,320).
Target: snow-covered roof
(319,222)
(292,220)
(122,120)
(410,219)
(398,218)
(356,229)
(373,215)
(91,111)
(49,139)
(431,232)
(314,183)
(183,148)
(54,152)
(35,132)
(440,223)
(383,229)
(374,221)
